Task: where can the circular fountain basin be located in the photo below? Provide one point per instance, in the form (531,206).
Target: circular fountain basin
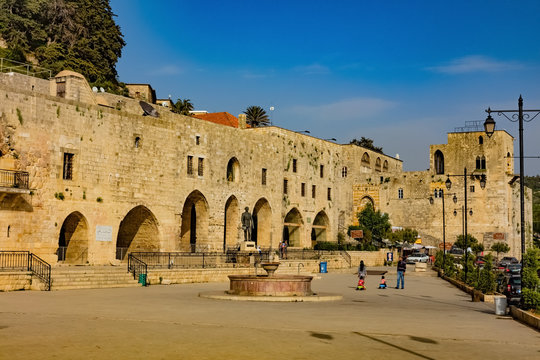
(282,285)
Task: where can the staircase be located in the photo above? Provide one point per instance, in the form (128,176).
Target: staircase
(91,277)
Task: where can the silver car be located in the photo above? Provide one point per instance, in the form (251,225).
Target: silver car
(414,258)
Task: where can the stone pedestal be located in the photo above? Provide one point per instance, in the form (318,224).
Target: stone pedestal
(248,246)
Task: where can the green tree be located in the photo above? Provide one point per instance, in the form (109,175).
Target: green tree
(500,247)
(460,242)
(486,281)
(477,248)
(367,143)
(182,106)
(256,116)
(530,268)
(405,235)
(374,222)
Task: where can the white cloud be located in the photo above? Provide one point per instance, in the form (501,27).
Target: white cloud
(313,69)
(346,109)
(475,63)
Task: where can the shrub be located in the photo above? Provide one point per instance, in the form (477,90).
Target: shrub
(326,245)
(486,280)
(531,299)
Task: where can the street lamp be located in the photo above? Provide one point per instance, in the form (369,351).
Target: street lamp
(448,184)
(431,201)
(522,115)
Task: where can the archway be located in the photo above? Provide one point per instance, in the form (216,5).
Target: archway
(262,221)
(73,239)
(232,220)
(138,231)
(320,228)
(364,201)
(233,170)
(293,228)
(194,228)
(439,162)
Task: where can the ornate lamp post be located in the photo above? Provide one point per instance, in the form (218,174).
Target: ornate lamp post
(448,184)
(518,115)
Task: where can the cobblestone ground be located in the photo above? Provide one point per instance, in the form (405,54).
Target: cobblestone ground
(429,319)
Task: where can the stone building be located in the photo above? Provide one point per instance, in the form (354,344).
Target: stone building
(86,178)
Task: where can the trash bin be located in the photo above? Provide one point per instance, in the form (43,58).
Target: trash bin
(322,267)
(142,279)
(500,305)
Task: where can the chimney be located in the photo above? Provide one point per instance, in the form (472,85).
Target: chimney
(242,121)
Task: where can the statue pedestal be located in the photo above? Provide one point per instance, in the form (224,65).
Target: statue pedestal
(248,246)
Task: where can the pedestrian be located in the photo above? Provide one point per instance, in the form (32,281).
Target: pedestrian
(284,249)
(382,284)
(401,267)
(361,284)
(281,249)
(362,271)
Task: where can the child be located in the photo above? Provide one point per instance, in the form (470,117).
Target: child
(361,285)
(382,284)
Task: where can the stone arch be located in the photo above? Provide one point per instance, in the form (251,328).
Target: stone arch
(320,227)
(293,228)
(439,162)
(365,200)
(378,164)
(262,223)
(233,170)
(231,222)
(73,239)
(138,231)
(365,160)
(194,228)
(385,165)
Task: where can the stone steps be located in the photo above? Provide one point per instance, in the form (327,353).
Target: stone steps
(91,277)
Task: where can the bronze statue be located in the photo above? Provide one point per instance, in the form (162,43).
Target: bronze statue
(247,224)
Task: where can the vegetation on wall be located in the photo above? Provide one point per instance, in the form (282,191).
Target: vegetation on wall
(367,143)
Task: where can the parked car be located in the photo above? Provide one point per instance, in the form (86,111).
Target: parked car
(507,260)
(418,257)
(455,251)
(511,287)
(479,261)
(512,269)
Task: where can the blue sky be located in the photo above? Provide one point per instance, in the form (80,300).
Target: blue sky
(403,73)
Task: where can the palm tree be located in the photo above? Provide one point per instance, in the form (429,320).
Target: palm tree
(182,106)
(256,116)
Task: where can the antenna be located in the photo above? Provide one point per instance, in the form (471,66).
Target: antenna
(101,89)
(94,89)
(148,109)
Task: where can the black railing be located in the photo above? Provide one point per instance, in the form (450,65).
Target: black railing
(346,256)
(26,261)
(136,266)
(14,179)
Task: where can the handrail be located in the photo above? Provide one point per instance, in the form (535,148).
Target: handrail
(41,269)
(347,257)
(137,266)
(14,179)
(26,261)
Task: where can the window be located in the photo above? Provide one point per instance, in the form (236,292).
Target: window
(303,189)
(439,162)
(68,166)
(263,177)
(197,140)
(322,170)
(483,163)
(344,172)
(285,186)
(190,165)
(378,164)
(436,193)
(381,179)
(329,194)
(385,165)
(365,160)
(137,142)
(233,170)
(313,191)
(480,140)
(400,193)
(61,87)
(478,163)
(471,188)
(294,165)
(441,193)
(200,167)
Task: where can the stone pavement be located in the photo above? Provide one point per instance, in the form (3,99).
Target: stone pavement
(429,319)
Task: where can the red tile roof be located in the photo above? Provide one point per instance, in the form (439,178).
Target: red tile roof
(223,118)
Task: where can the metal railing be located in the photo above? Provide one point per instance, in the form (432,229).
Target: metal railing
(8,65)
(14,179)
(136,266)
(26,261)
(346,256)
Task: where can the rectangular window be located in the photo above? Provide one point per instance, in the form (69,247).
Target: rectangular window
(472,188)
(313,191)
(303,189)
(197,140)
(322,170)
(293,165)
(68,167)
(200,168)
(400,193)
(329,196)
(190,165)
(285,186)
(263,177)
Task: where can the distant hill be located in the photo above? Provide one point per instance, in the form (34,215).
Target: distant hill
(79,35)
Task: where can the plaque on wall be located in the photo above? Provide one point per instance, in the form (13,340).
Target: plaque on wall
(103,233)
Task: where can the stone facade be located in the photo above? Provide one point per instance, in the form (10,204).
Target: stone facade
(105,180)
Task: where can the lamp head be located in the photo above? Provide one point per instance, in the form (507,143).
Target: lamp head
(483,181)
(489,124)
(454,198)
(431,200)
(448,183)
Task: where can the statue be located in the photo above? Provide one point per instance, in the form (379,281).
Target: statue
(247,224)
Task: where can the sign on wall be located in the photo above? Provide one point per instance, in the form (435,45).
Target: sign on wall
(103,233)
(357,234)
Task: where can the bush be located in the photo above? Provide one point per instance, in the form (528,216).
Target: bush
(531,299)
(326,245)
(486,280)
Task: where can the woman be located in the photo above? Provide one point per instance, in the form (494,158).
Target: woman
(362,271)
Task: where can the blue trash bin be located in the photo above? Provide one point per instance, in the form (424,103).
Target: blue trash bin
(322,267)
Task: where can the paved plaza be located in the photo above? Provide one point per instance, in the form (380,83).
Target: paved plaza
(429,319)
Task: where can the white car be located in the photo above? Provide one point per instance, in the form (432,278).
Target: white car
(414,258)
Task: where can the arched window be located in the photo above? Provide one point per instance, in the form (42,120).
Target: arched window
(441,193)
(480,140)
(478,163)
(439,162)
(385,165)
(378,164)
(233,168)
(137,142)
(435,193)
(365,160)
(483,163)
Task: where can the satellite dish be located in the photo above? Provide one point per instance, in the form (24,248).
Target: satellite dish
(94,89)
(148,109)
(101,89)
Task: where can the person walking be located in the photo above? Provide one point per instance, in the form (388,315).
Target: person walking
(362,272)
(401,268)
